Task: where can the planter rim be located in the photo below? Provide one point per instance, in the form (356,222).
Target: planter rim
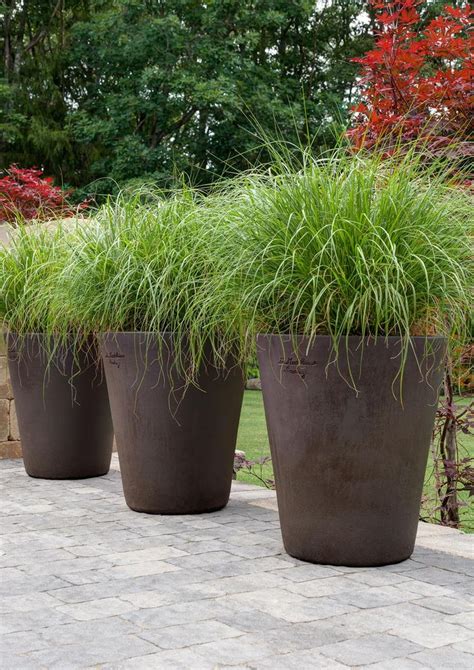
(27,334)
(31,333)
(354,337)
(35,333)
(7,331)
(135,332)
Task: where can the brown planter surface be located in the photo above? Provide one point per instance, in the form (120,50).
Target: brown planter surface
(62,409)
(349,467)
(175,447)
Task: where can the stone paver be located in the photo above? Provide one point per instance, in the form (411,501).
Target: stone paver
(87,583)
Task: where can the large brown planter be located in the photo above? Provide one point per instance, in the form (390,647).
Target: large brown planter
(175,445)
(62,408)
(349,467)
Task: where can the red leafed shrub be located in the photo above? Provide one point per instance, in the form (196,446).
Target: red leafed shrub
(417,82)
(417,85)
(26,194)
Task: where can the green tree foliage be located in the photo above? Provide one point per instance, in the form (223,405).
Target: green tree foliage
(133,89)
(34,84)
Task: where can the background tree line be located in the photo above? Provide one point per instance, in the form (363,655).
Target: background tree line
(122,90)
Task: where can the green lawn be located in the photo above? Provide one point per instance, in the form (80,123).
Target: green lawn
(252,437)
(253,440)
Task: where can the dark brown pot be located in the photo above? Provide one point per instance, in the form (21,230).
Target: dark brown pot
(62,408)
(176,447)
(349,468)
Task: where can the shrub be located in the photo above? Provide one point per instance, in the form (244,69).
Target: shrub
(416,83)
(25,195)
(417,80)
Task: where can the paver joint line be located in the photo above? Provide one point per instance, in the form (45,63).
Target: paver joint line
(87,583)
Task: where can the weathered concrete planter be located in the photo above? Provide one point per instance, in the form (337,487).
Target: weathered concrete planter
(175,446)
(63,410)
(349,468)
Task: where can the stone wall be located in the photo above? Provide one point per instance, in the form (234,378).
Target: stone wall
(10,446)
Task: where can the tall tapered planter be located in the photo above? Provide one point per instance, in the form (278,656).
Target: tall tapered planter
(349,466)
(62,408)
(175,442)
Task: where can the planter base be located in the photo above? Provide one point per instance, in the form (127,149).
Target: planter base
(349,467)
(173,512)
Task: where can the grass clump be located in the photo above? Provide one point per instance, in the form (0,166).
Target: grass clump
(340,245)
(29,271)
(355,245)
(154,265)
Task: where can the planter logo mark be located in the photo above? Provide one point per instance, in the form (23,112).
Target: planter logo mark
(113,356)
(296,366)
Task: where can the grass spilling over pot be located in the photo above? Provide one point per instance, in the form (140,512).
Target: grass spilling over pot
(154,265)
(29,271)
(354,245)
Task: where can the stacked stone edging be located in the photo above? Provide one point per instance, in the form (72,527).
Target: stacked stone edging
(10,446)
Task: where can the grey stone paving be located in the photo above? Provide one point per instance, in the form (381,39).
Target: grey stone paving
(86,583)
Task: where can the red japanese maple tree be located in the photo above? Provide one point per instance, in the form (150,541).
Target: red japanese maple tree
(26,194)
(417,82)
(417,85)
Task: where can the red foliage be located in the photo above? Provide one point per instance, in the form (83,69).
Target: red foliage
(417,82)
(27,194)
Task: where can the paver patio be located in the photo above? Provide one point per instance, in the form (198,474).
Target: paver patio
(85,582)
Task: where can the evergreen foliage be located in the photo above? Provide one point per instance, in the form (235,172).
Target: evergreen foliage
(131,91)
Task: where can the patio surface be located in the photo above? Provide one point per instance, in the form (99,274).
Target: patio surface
(87,583)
